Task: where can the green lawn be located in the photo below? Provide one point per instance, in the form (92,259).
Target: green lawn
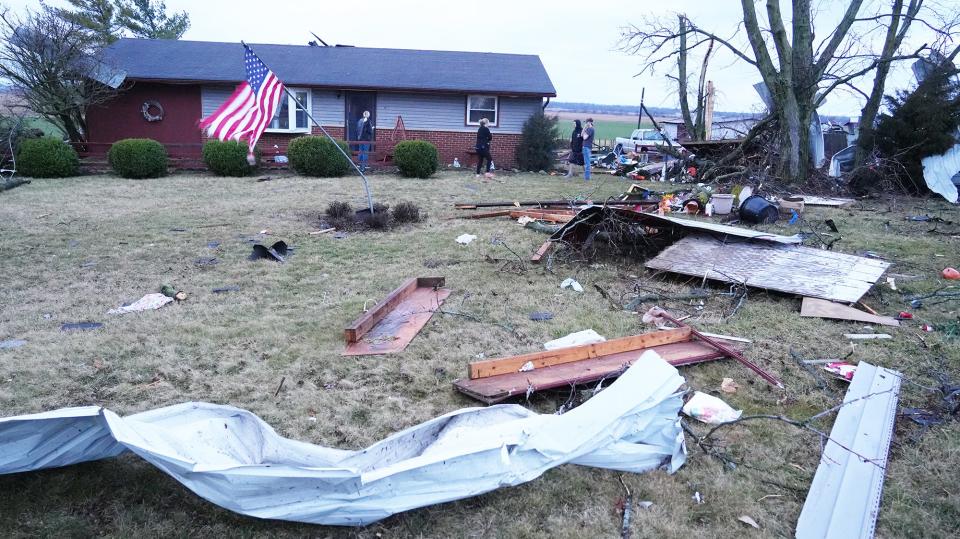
(74,248)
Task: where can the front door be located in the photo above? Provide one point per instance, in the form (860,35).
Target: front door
(355,103)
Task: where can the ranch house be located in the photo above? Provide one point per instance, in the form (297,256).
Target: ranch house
(439,96)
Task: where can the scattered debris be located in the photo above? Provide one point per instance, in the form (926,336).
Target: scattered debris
(725,337)
(571,283)
(867,336)
(81,326)
(951,273)
(587,336)
(821,308)
(391,324)
(824,201)
(146,303)
(709,409)
(322,231)
(841,370)
(844,498)
(222,289)
(206,261)
(748,521)
(892,283)
(729,386)
(540,316)
(234,459)
(11,344)
(278,252)
(464,239)
(213,244)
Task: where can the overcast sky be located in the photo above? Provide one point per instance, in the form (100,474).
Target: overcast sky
(577,40)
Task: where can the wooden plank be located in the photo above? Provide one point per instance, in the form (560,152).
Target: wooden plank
(825,201)
(541,252)
(543,216)
(495,389)
(361,325)
(486,214)
(538,360)
(821,308)
(791,269)
(399,327)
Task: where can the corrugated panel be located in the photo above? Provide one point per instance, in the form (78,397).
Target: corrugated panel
(446,112)
(844,498)
(785,268)
(327,108)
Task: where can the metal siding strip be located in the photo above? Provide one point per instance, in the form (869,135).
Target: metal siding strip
(844,497)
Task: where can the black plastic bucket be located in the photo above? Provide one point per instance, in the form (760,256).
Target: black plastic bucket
(756,209)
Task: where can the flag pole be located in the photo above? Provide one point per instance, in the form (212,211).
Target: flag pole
(346,129)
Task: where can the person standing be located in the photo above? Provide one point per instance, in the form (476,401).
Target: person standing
(364,135)
(576,148)
(587,137)
(484,138)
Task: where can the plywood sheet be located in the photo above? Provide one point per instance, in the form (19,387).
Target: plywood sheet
(821,308)
(825,201)
(394,331)
(784,268)
(499,388)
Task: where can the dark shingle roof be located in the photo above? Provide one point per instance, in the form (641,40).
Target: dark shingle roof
(337,67)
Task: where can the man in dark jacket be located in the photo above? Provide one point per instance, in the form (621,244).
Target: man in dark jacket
(365,135)
(484,137)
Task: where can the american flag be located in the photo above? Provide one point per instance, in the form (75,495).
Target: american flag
(251,107)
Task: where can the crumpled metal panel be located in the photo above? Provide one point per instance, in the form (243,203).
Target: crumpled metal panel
(844,498)
(232,458)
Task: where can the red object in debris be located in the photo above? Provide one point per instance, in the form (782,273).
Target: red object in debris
(950,273)
(904,315)
(927,327)
(841,370)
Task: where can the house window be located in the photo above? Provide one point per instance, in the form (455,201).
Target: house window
(482,106)
(290,117)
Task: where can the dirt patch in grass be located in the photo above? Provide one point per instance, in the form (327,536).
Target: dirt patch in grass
(287,320)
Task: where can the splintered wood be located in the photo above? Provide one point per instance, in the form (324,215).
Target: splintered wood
(496,380)
(390,325)
(784,268)
(818,308)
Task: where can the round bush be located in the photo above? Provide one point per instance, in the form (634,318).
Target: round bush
(228,158)
(317,156)
(47,157)
(138,158)
(416,158)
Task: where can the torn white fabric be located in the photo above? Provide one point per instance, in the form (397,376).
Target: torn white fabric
(939,170)
(146,303)
(232,458)
(710,409)
(570,282)
(464,239)
(587,336)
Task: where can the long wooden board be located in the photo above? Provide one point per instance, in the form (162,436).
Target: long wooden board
(821,308)
(393,322)
(791,269)
(495,389)
(539,360)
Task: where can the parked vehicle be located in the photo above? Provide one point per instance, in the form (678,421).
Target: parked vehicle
(650,139)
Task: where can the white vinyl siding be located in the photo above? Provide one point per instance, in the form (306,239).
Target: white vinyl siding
(447,112)
(325,106)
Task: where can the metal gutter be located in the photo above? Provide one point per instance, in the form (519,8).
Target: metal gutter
(844,498)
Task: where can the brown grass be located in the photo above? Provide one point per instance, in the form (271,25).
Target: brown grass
(287,320)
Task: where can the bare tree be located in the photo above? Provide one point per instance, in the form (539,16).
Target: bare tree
(798,71)
(696,122)
(51,63)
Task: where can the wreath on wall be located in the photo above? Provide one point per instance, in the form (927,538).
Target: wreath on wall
(152,111)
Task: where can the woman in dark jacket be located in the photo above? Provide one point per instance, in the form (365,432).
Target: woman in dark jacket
(484,137)
(576,148)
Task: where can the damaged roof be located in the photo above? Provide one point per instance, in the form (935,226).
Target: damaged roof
(335,67)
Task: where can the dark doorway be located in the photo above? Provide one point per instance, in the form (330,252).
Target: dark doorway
(354,105)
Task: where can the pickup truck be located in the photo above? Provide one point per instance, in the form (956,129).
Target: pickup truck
(640,138)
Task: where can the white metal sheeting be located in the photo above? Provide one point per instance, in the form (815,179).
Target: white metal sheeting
(232,458)
(844,498)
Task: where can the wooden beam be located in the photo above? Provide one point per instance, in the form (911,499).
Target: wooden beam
(361,325)
(541,252)
(546,215)
(821,308)
(486,214)
(494,367)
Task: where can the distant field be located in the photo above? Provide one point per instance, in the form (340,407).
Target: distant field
(607,126)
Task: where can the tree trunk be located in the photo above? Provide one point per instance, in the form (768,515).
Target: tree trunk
(682,80)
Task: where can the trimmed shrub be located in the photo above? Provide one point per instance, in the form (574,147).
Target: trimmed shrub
(380,218)
(138,158)
(416,158)
(46,157)
(339,209)
(407,212)
(538,142)
(317,156)
(228,158)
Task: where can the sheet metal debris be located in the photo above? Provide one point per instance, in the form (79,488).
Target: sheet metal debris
(81,326)
(279,251)
(232,458)
(844,498)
